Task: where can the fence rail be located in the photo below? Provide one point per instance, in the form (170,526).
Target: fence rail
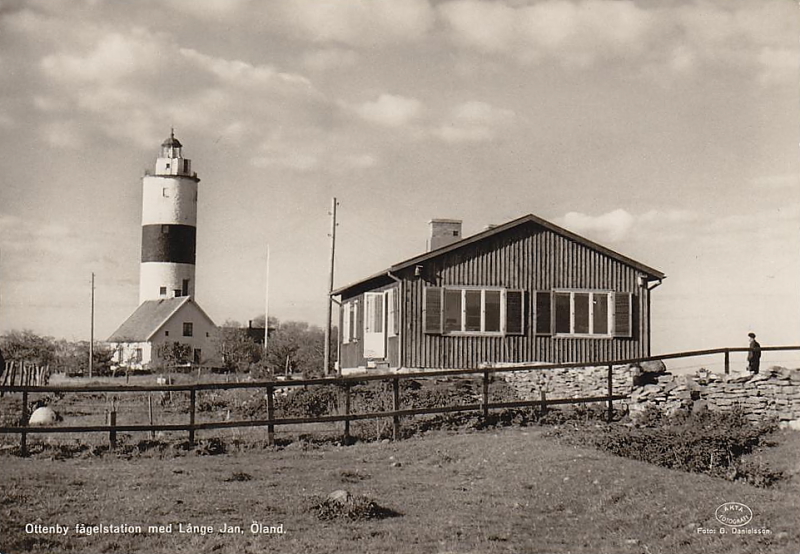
(346,383)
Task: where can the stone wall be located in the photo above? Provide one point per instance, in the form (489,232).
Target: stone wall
(771,393)
(571,382)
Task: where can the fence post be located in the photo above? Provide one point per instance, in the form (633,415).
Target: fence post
(270,415)
(485,396)
(23,436)
(192,406)
(112,434)
(396,407)
(150,414)
(543,397)
(610,392)
(346,438)
(727,361)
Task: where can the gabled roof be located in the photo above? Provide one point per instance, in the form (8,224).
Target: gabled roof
(149,317)
(653,274)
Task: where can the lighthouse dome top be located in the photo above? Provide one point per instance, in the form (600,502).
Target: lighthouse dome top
(171,141)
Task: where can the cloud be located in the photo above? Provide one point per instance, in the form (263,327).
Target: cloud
(114,57)
(130,85)
(359,22)
(330,58)
(390,110)
(296,161)
(64,134)
(575,32)
(242,74)
(473,121)
(611,226)
(677,38)
(619,224)
(779,66)
(212,10)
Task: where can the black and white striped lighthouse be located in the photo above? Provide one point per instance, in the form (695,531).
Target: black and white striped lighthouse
(169,225)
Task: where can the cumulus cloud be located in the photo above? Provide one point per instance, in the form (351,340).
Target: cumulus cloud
(243,74)
(359,22)
(678,38)
(575,32)
(620,224)
(64,134)
(390,110)
(473,121)
(113,57)
(329,58)
(129,85)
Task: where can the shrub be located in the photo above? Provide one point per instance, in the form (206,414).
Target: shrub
(353,507)
(312,402)
(705,442)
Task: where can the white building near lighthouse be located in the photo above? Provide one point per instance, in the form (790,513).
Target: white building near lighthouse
(167,312)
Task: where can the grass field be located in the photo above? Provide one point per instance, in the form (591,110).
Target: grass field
(510,490)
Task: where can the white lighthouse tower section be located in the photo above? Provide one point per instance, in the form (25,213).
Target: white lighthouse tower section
(169,200)
(169,221)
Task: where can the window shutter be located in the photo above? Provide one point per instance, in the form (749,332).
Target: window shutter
(396,310)
(622,314)
(432,310)
(354,326)
(515,313)
(345,323)
(544,313)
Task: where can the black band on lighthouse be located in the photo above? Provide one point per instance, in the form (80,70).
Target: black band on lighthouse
(169,243)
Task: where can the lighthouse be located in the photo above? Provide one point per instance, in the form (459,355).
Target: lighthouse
(169,225)
(168,321)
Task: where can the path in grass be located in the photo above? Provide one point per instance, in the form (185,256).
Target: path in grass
(512,490)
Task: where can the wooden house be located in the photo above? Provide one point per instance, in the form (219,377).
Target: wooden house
(520,292)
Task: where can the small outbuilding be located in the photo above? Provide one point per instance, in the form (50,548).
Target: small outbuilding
(524,291)
(155,323)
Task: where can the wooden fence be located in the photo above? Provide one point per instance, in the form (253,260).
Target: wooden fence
(24,374)
(346,383)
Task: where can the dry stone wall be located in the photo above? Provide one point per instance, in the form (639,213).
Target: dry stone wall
(771,393)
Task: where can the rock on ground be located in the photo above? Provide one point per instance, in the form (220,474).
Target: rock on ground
(43,416)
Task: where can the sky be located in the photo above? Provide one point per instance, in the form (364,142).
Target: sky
(667,131)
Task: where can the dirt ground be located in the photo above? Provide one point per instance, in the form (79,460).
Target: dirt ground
(508,490)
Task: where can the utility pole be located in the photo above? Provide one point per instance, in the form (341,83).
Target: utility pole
(327,354)
(91,334)
(266,310)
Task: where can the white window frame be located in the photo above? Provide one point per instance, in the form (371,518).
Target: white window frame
(463,330)
(610,296)
(349,321)
(372,300)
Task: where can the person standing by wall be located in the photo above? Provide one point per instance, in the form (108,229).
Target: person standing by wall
(754,356)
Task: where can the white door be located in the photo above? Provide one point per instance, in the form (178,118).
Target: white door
(374,326)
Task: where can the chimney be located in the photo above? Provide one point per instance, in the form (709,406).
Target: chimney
(443,232)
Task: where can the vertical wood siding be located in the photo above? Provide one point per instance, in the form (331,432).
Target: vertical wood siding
(531,258)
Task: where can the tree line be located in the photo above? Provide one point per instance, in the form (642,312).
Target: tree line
(292,347)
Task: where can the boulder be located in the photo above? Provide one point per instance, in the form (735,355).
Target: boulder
(655,366)
(794,425)
(340,496)
(43,416)
(645,373)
